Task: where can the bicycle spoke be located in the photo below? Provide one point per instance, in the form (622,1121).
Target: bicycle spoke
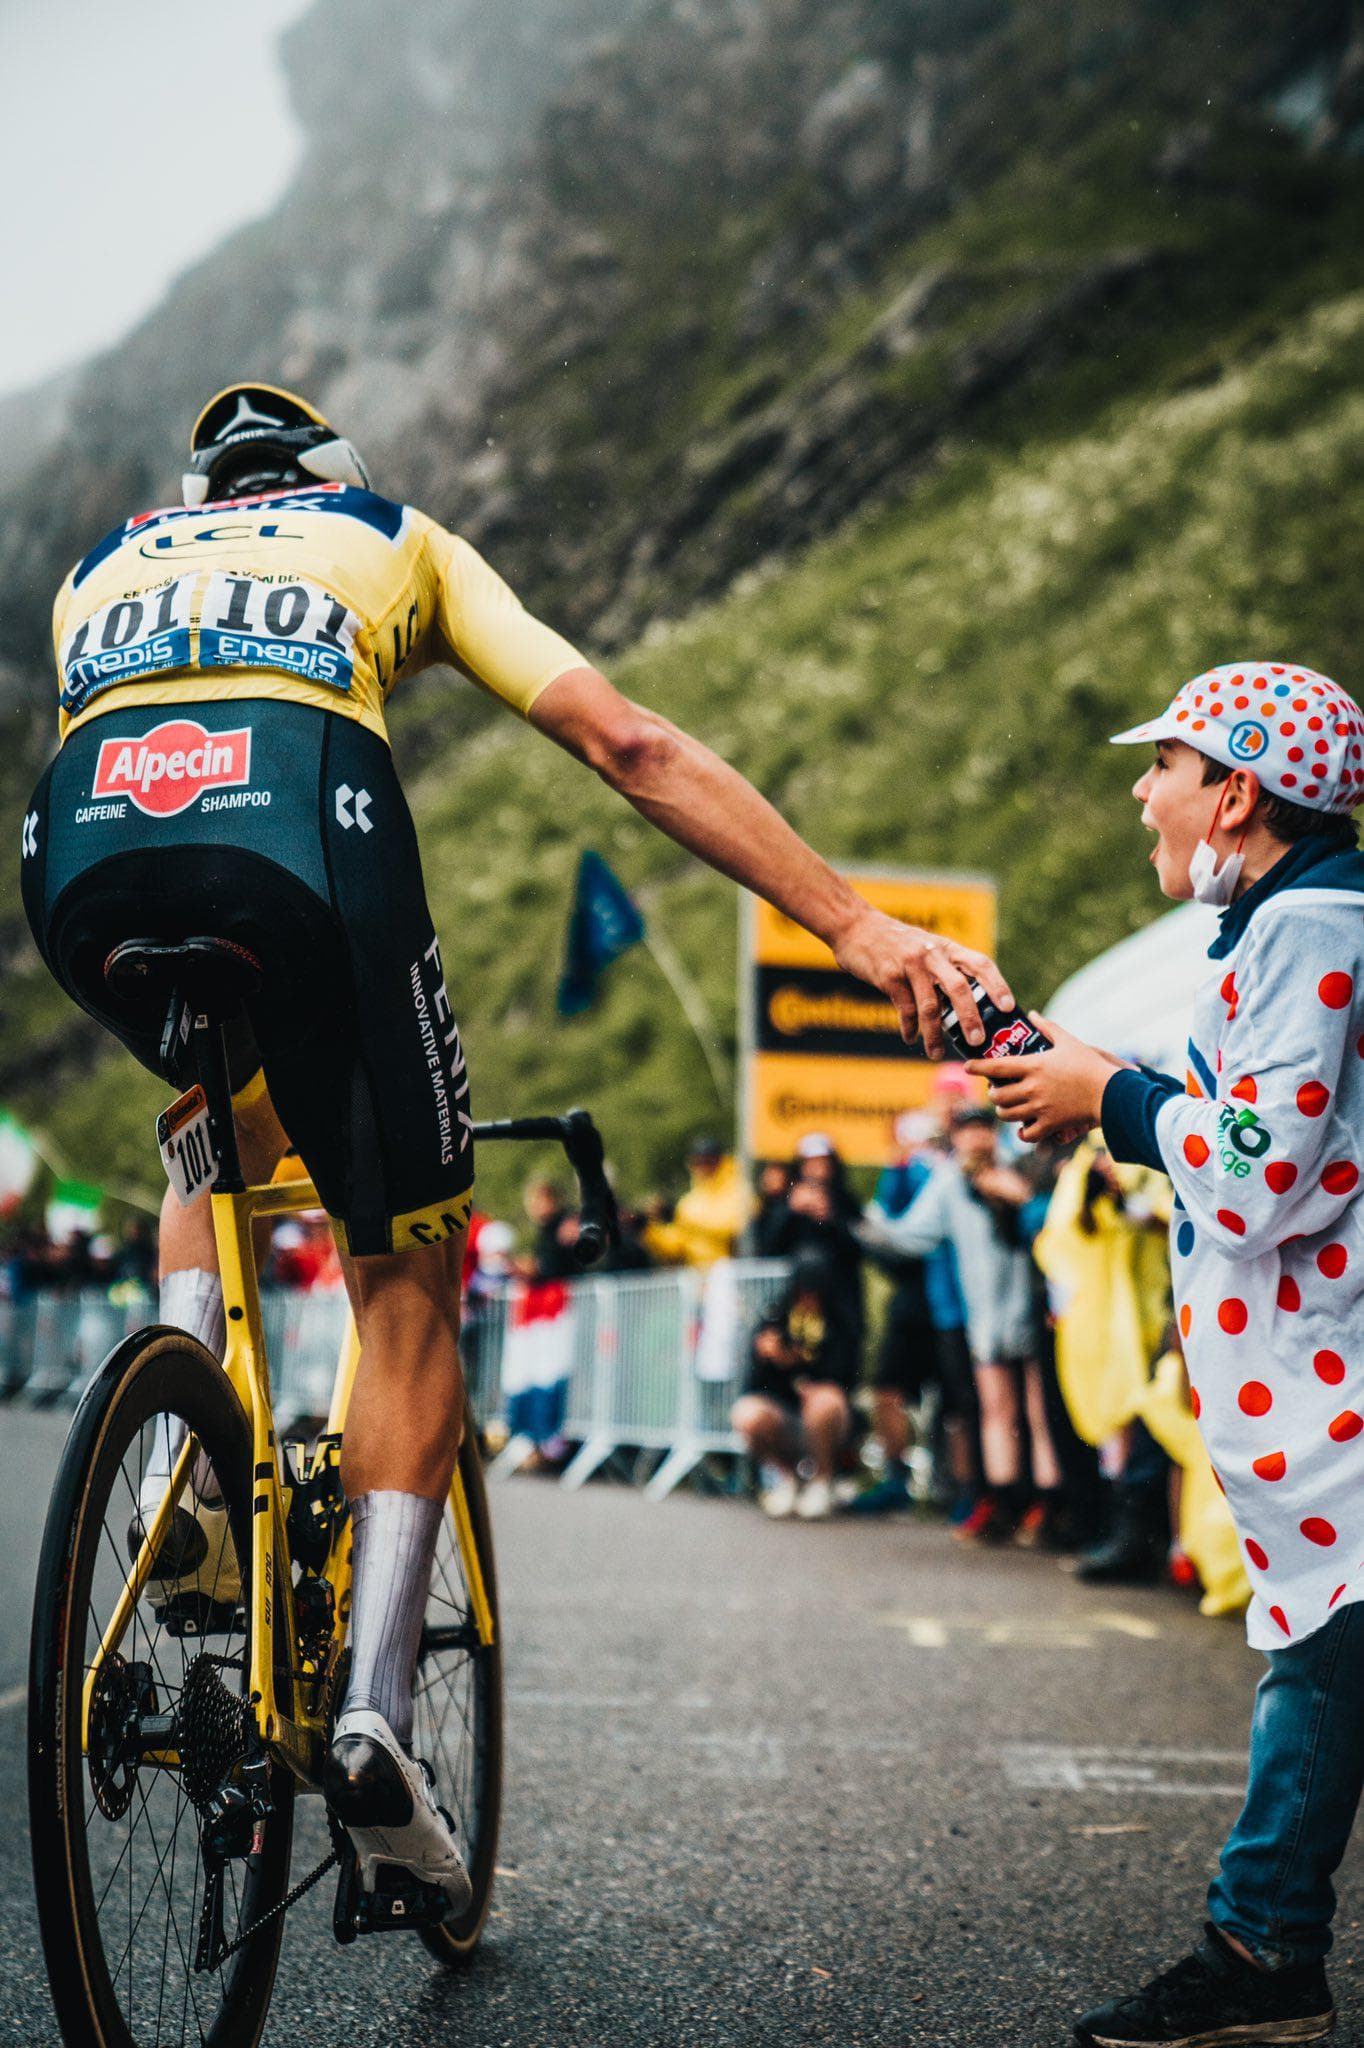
(143,1868)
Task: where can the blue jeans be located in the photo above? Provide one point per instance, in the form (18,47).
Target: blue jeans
(1274,1890)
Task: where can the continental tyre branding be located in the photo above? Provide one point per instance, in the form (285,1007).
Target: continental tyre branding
(821,1051)
(166,770)
(804,1010)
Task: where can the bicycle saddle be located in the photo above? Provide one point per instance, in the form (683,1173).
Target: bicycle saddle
(215,975)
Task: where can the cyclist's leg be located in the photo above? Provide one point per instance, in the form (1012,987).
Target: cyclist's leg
(402,1438)
(187,1243)
(191,1291)
(406,1407)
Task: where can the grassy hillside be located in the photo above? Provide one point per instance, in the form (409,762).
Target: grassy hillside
(933,687)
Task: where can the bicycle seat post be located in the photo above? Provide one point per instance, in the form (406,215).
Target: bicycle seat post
(210,1064)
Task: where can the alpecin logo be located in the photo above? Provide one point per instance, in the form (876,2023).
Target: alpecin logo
(1011,1039)
(170,768)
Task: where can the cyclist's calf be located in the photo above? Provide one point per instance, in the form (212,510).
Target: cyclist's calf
(406,1409)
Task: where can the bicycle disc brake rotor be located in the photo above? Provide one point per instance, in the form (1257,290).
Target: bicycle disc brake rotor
(212,1728)
(121,1694)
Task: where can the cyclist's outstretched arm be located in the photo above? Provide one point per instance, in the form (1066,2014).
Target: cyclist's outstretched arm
(708,807)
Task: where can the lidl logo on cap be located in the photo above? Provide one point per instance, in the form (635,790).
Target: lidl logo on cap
(170,767)
(1248,741)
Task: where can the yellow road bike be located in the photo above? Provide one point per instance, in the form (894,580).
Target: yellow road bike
(189,1636)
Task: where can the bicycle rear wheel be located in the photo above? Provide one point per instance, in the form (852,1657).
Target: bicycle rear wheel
(116,1818)
(458,1721)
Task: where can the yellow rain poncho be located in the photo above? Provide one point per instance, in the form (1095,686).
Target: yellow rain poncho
(1206,1530)
(706,1222)
(1110,1289)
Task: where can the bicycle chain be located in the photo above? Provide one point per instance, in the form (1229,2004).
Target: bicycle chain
(290,1899)
(225,1716)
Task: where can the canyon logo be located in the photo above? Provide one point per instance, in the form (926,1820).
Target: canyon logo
(171,767)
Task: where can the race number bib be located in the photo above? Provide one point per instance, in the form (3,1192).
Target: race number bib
(295,626)
(123,641)
(185,1142)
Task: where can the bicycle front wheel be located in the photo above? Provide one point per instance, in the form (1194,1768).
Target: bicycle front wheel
(133,1729)
(457,1726)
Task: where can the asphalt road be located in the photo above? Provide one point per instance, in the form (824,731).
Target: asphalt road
(775,1784)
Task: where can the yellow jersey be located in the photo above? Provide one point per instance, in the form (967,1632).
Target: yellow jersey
(321,595)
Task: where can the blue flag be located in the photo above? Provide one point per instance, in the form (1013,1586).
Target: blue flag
(604,923)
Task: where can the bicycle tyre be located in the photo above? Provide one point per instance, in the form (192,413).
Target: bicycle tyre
(155,1372)
(473,1764)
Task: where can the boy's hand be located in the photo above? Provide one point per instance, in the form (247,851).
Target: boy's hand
(1046,1093)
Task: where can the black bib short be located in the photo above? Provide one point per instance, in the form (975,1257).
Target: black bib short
(284,828)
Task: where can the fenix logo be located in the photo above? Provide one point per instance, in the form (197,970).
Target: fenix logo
(169,768)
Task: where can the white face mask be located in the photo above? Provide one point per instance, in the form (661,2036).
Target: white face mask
(1210,883)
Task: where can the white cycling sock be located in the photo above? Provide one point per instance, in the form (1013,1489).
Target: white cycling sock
(191,1300)
(393,1539)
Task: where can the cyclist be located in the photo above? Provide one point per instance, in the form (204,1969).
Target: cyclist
(223,767)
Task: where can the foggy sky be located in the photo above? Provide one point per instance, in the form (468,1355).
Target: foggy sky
(136,133)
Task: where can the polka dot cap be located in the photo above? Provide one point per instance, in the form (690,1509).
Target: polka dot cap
(1295,730)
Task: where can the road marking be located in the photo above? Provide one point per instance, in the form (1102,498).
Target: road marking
(579,1700)
(931,1632)
(15,1697)
(1139,1773)
(752,1755)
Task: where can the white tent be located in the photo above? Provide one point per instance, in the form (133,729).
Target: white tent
(1137,998)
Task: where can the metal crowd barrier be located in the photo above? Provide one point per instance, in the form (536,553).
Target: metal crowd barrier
(650,1361)
(618,1362)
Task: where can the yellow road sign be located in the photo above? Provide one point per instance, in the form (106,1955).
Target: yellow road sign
(822,1051)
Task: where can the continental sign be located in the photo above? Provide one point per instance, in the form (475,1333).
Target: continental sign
(823,1051)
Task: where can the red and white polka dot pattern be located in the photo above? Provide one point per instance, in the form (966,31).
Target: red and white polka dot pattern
(1297,732)
(1268,1250)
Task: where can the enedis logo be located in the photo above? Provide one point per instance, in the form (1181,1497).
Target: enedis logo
(170,767)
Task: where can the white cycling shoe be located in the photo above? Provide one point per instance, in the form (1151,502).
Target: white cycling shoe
(195,1562)
(386,1801)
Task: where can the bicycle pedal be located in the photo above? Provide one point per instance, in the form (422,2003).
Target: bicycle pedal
(398,1902)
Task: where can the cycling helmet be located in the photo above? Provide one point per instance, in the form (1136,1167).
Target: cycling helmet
(256,435)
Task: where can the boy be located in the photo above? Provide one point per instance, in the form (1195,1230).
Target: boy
(1257,768)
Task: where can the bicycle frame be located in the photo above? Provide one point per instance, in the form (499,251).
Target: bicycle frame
(298,1742)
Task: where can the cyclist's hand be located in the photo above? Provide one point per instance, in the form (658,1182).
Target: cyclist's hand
(922,974)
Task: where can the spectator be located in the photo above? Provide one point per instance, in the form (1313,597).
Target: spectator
(802,1371)
(923,1344)
(556,1230)
(135,1258)
(821,1216)
(769,1220)
(974,1204)
(709,1218)
(481,1323)
(631,1255)
(304,1254)
(1103,1250)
